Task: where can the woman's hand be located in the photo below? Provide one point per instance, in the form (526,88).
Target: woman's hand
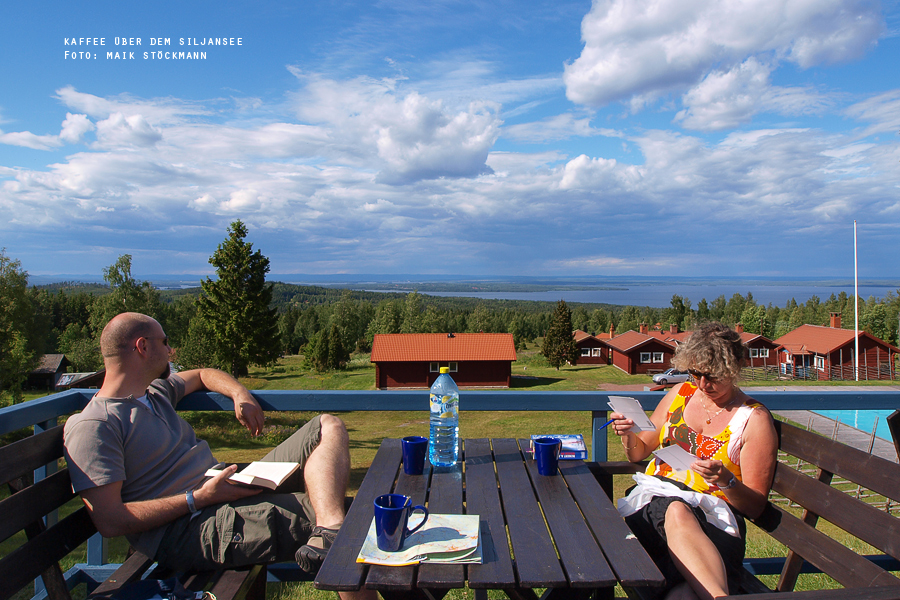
(713,472)
(621,425)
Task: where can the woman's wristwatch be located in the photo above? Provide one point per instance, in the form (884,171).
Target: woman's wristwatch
(731,483)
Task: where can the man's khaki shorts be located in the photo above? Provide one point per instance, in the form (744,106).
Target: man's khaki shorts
(268,527)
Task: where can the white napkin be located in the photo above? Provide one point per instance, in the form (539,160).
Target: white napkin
(716,510)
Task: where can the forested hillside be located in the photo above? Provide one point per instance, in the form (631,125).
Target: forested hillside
(328,324)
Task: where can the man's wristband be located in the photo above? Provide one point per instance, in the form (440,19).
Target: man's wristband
(189,496)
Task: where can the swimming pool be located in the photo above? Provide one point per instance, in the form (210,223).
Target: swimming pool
(862,419)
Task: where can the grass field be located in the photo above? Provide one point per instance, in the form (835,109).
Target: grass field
(367,429)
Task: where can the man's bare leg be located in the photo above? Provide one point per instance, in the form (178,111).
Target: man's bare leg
(327,472)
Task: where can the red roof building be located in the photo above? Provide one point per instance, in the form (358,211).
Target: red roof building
(413,360)
(763,351)
(590,349)
(827,353)
(638,352)
(671,336)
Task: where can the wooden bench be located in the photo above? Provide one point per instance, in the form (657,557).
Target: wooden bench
(812,549)
(24,511)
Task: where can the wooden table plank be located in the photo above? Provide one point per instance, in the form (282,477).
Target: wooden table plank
(340,571)
(444,497)
(583,562)
(535,556)
(483,499)
(628,559)
(399,578)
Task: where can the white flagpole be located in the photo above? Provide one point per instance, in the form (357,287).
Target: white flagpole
(856,303)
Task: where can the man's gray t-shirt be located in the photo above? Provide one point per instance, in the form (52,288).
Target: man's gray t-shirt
(153,452)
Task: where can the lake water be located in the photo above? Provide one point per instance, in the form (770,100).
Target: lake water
(660,296)
(862,419)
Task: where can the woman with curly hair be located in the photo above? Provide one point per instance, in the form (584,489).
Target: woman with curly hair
(691,522)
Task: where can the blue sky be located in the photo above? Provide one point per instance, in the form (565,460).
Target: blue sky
(620,137)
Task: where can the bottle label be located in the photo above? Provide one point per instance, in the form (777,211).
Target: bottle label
(446,405)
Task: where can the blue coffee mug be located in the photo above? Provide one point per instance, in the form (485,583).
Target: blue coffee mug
(546,455)
(391,516)
(414,449)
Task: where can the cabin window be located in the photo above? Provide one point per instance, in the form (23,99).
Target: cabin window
(453,367)
(820,363)
(434,367)
(657,357)
(596,351)
(585,351)
(646,357)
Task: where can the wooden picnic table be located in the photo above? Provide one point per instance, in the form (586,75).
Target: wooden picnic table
(566,534)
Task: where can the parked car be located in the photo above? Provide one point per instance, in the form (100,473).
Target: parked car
(670,376)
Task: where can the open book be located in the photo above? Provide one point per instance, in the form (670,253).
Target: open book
(261,474)
(451,539)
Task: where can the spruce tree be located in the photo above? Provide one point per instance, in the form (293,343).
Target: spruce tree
(559,343)
(237,305)
(17,357)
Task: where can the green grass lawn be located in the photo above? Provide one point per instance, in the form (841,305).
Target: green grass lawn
(367,429)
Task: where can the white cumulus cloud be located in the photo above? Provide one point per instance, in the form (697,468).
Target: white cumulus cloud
(74,127)
(121,131)
(639,50)
(405,137)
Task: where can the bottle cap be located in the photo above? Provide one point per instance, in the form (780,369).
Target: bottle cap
(445,370)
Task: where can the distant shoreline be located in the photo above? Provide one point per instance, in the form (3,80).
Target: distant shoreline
(616,291)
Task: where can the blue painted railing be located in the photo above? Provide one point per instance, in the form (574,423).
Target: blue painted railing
(43,413)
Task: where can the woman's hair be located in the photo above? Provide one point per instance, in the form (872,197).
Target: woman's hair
(712,348)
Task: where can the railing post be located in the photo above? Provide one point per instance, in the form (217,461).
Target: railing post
(598,437)
(97,550)
(39,474)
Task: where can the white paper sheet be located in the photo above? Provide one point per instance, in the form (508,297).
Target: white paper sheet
(676,457)
(632,409)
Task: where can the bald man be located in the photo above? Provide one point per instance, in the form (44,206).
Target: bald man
(140,468)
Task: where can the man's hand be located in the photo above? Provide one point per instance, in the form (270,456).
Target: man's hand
(246,408)
(249,413)
(113,518)
(219,490)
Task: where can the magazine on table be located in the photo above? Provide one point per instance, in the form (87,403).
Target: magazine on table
(572,445)
(260,473)
(448,539)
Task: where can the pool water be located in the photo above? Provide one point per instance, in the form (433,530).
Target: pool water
(862,419)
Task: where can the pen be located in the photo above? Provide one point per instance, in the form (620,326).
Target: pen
(605,424)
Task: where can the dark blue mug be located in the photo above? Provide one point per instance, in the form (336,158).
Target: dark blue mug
(546,455)
(391,516)
(414,449)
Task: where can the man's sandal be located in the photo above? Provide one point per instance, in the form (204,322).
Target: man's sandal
(313,552)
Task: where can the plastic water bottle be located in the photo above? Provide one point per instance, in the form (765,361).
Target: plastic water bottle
(443,443)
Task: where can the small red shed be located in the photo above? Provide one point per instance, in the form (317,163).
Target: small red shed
(414,360)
